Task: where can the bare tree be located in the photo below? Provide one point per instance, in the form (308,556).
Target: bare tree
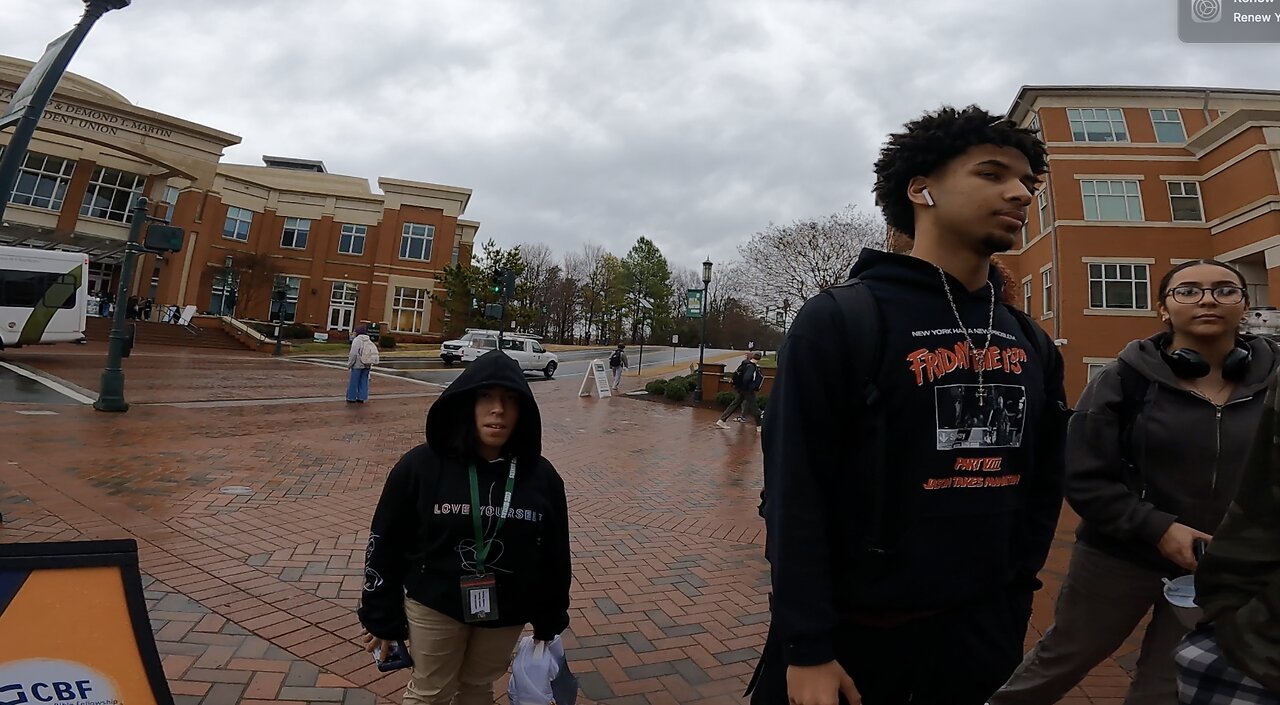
(798,260)
(538,261)
(595,285)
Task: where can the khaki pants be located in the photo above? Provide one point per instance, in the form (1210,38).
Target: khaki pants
(454,663)
(1102,601)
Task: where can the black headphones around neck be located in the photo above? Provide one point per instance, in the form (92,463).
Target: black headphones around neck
(1189,364)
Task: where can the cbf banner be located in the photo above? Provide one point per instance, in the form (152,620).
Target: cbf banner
(74,627)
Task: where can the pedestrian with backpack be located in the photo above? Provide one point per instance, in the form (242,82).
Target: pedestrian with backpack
(747,381)
(360,360)
(904,536)
(1154,456)
(618,363)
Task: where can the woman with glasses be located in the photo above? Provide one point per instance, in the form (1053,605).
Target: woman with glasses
(1154,455)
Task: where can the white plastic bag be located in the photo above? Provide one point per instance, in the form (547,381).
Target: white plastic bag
(540,675)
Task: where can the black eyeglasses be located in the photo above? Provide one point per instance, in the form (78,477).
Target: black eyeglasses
(1225,295)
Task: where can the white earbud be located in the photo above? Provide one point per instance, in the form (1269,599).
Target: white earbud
(927,198)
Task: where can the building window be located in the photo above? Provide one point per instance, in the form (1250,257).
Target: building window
(1034,125)
(1119,286)
(295,233)
(457,251)
(1042,205)
(42,182)
(170,200)
(1046,291)
(1184,199)
(1025,239)
(1097,125)
(351,241)
(1111,200)
(111,195)
(237,224)
(289,310)
(416,241)
(1026,297)
(1168,124)
(408,306)
(1094,369)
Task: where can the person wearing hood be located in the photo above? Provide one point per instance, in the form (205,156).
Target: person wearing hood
(470,540)
(932,609)
(360,360)
(1154,455)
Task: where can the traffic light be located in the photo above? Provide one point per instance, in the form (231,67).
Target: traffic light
(495,281)
(509,284)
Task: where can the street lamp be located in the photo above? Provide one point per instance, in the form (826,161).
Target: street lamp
(37,89)
(227,274)
(111,389)
(702,344)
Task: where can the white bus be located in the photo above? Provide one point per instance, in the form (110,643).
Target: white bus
(43,294)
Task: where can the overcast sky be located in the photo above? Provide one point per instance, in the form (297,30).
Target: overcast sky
(693,122)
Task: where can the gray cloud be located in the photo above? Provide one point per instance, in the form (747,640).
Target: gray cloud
(692,122)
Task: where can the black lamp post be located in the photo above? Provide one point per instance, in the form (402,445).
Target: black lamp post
(227,274)
(111,393)
(46,72)
(280,295)
(702,344)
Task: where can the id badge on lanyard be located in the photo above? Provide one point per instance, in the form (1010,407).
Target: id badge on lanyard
(480,591)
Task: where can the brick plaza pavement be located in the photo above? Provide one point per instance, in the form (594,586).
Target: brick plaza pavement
(252,596)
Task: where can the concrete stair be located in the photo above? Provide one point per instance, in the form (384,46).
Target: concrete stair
(149,333)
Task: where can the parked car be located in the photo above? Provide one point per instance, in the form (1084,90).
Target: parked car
(451,350)
(524,349)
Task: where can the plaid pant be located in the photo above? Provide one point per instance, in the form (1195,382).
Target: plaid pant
(1206,678)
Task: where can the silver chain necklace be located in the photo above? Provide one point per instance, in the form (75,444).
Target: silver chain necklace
(977,361)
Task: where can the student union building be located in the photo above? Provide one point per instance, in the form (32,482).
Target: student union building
(344,253)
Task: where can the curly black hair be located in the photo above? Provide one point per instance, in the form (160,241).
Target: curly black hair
(935,139)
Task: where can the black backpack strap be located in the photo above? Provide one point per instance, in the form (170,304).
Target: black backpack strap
(864,330)
(1134,387)
(1044,346)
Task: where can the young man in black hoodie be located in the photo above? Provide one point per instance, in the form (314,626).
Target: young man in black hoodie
(470,540)
(953,464)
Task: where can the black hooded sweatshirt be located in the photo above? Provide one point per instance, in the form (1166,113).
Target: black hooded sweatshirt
(422,541)
(983,480)
(1188,454)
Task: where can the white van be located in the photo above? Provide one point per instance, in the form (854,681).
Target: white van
(524,349)
(43,296)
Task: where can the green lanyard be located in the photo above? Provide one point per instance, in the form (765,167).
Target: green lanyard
(482,546)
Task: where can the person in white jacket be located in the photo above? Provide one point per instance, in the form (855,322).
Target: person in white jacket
(363,355)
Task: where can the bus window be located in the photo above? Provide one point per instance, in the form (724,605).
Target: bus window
(20,289)
(25,289)
(61,292)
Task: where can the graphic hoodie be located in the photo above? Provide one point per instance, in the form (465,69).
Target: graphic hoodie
(422,540)
(979,499)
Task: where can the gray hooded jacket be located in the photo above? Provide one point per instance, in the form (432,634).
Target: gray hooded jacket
(1188,454)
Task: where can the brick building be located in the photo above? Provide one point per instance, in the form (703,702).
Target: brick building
(1140,180)
(344,252)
